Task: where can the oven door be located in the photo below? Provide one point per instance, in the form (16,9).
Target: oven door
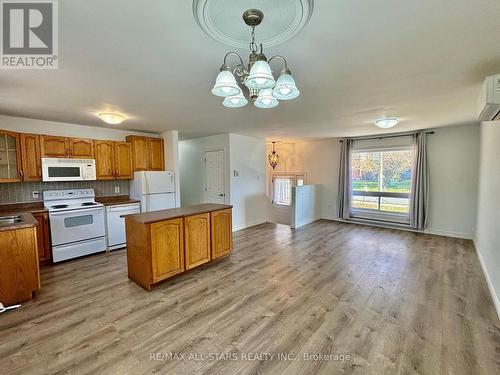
(76,225)
(62,172)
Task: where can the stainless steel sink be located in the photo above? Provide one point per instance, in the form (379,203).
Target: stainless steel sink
(9,220)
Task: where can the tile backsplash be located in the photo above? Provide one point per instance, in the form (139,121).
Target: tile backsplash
(22,191)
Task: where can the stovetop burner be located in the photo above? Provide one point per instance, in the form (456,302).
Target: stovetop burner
(89,204)
(59,206)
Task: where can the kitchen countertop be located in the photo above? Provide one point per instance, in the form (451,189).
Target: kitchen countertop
(116,200)
(28,221)
(16,208)
(172,213)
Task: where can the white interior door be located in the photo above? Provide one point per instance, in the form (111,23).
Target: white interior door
(215,191)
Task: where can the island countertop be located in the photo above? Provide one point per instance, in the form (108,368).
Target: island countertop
(172,213)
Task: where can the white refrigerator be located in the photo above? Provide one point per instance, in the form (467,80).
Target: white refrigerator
(155,190)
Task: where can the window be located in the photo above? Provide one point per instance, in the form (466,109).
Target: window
(282,188)
(381,183)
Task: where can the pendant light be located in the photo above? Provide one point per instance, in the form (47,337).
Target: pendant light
(273,157)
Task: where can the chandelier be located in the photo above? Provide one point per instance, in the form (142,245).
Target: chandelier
(256,76)
(273,157)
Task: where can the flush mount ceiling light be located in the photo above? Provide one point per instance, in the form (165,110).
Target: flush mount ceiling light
(256,76)
(273,157)
(111,118)
(387,122)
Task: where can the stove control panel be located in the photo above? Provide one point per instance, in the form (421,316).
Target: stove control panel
(50,195)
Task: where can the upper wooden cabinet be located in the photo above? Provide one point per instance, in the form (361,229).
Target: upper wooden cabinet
(104,157)
(31,157)
(123,161)
(197,239)
(147,153)
(156,154)
(221,233)
(54,147)
(10,157)
(113,160)
(63,147)
(81,148)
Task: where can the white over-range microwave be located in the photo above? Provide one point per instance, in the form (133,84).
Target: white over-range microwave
(61,169)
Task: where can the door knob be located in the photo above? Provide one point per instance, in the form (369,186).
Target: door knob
(221,195)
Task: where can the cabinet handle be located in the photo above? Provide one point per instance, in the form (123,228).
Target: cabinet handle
(21,174)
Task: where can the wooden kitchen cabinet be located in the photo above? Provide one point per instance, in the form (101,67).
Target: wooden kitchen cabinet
(31,157)
(64,147)
(104,160)
(156,154)
(167,245)
(54,147)
(123,161)
(147,153)
(19,270)
(161,244)
(43,237)
(221,228)
(81,148)
(197,239)
(10,157)
(113,160)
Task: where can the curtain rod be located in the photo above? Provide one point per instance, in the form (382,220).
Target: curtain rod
(385,136)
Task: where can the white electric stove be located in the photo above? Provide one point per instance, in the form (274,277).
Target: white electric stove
(76,223)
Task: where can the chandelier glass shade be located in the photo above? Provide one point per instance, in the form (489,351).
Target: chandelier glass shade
(273,157)
(235,101)
(260,76)
(255,78)
(285,88)
(266,99)
(225,85)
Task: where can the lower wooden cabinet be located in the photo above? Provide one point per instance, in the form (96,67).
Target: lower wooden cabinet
(167,246)
(43,237)
(160,245)
(197,239)
(221,233)
(19,271)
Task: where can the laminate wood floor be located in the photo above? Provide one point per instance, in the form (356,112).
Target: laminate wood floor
(394,302)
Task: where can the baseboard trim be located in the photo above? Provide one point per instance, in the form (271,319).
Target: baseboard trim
(249,225)
(308,221)
(494,297)
(434,232)
(437,232)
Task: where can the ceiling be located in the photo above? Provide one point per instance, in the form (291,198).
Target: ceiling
(355,61)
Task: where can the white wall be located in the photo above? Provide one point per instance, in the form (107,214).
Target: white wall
(319,160)
(192,167)
(453,159)
(306,205)
(171,141)
(248,188)
(487,234)
(28,125)
(453,163)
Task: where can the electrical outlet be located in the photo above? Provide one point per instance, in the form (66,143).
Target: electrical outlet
(236,173)
(35,194)
(117,190)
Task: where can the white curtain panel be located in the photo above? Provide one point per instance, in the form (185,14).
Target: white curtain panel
(419,198)
(345,179)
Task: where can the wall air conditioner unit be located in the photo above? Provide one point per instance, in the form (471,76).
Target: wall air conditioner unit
(489,100)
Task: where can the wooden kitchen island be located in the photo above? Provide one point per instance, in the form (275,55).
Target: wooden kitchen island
(162,244)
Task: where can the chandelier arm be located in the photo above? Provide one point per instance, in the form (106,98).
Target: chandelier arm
(279,57)
(234,54)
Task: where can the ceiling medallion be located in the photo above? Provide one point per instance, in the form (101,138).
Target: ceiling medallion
(220,20)
(256,76)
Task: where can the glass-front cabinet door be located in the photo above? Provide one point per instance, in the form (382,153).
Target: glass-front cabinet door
(9,157)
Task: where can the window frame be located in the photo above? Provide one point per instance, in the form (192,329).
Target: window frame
(377,214)
(294,177)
